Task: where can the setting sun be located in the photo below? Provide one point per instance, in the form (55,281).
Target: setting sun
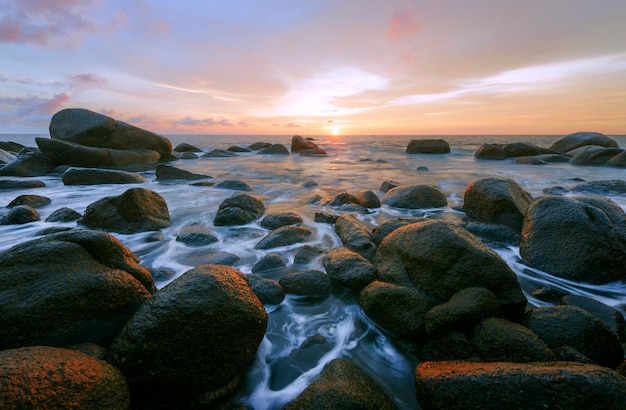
(335,129)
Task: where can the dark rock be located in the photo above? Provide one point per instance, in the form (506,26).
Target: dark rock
(497,200)
(259,145)
(343,199)
(530,161)
(606,187)
(595,157)
(355,236)
(387,185)
(14,183)
(415,197)
(268,263)
(273,221)
(63,215)
(322,217)
(381,231)
(441,259)
(233,185)
(235,148)
(581,239)
(498,340)
(399,310)
(94,176)
(219,153)
(368,199)
(579,139)
(69,287)
(422,169)
(274,149)
(342,385)
(428,146)
(34,201)
(618,161)
(284,236)
(555,385)
(202,257)
(268,291)
(167,172)
(195,235)
(11,146)
(572,326)
(136,210)
(549,294)
(490,151)
(203,183)
(193,339)
(239,209)
(552,158)
(310,184)
(306,254)
(495,234)
(18,215)
(611,317)
(520,149)
(465,308)
(187,155)
(306,283)
(450,346)
(348,269)
(305,147)
(185,147)
(30,162)
(52,378)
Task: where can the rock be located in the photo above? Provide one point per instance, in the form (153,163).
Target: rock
(368,199)
(168,172)
(450,346)
(273,221)
(14,183)
(19,215)
(605,187)
(520,149)
(490,151)
(581,239)
(274,149)
(325,218)
(343,198)
(348,269)
(69,287)
(11,146)
(572,326)
(530,161)
(497,200)
(552,158)
(6,157)
(196,235)
(34,201)
(193,339)
(499,340)
(342,385)
(185,147)
(306,283)
(219,153)
(284,236)
(495,234)
(579,139)
(204,257)
(305,147)
(233,185)
(235,148)
(386,227)
(399,310)
(387,185)
(618,161)
(91,129)
(595,157)
(268,263)
(415,197)
(63,215)
(186,155)
(557,385)
(239,209)
(428,146)
(259,145)
(611,317)
(465,308)
(441,259)
(306,254)
(48,377)
(268,291)
(30,162)
(94,176)
(355,236)
(136,210)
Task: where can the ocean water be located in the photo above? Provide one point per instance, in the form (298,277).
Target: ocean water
(354,163)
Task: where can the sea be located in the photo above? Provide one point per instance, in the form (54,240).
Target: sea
(353,164)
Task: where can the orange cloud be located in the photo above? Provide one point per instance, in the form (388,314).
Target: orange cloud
(403,25)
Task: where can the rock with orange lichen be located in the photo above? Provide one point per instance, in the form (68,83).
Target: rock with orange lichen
(43,377)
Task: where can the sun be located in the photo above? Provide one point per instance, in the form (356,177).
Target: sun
(334,129)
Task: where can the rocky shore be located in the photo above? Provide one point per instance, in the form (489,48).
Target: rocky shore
(82,324)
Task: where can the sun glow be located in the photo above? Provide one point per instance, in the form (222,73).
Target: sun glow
(334,129)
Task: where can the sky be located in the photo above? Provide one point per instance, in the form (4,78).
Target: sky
(318,67)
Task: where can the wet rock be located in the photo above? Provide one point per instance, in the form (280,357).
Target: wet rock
(306,147)
(306,254)
(236,148)
(14,183)
(572,326)
(136,210)
(428,146)
(618,161)
(548,158)
(579,139)
(325,218)
(185,147)
(450,346)
(239,209)
(268,291)
(595,157)
(611,317)
(355,236)
(34,201)
(386,227)
(284,236)
(520,149)
(368,199)
(259,145)
(306,283)
(415,197)
(195,235)
(219,153)
(348,269)
(94,176)
(69,287)
(233,185)
(490,151)
(273,221)
(268,263)
(342,385)
(30,162)
(186,155)
(581,239)
(11,146)
(530,161)
(274,149)
(64,214)
(387,185)
(441,259)
(605,187)
(202,257)
(168,172)
(400,310)
(464,309)
(497,200)
(463,385)
(343,198)
(53,378)
(18,215)
(495,234)
(208,324)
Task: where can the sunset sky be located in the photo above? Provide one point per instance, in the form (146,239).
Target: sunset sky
(316,67)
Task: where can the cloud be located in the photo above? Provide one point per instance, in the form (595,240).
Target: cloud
(206,122)
(403,25)
(292,125)
(34,110)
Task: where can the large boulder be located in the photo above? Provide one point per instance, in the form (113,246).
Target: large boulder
(239,209)
(43,377)
(274,149)
(441,259)
(355,236)
(305,147)
(276,220)
(579,139)
(428,146)
(167,172)
(136,210)
(193,339)
(595,157)
(497,200)
(91,129)
(29,162)
(69,287)
(18,215)
(415,197)
(618,161)
(34,201)
(581,239)
(306,283)
(503,385)
(95,176)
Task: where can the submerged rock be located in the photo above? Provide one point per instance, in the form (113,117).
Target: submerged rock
(306,147)
(18,215)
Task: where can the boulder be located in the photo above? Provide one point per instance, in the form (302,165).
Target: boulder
(274,149)
(11,146)
(236,148)
(441,259)
(64,214)
(268,291)
(193,339)
(43,377)
(136,210)
(428,146)
(34,201)
(490,151)
(497,200)
(520,149)
(595,157)
(502,385)
(233,185)
(387,185)
(259,145)
(611,317)
(239,209)
(91,129)
(579,139)
(496,235)
(415,197)
(219,153)
(450,346)
(15,183)
(530,161)
(355,236)
(368,199)
(185,147)
(618,161)
(268,263)
(30,162)
(342,385)
(168,172)
(95,176)
(306,254)
(581,239)
(348,269)
(18,215)
(389,225)
(305,147)
(196,235)
(603,187)
(284,236)
(276,220)
(69,287)
(465,309)
(306,283)
(343,198)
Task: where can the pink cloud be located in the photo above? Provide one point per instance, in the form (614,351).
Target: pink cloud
(34,110)
(206,122)
(403,25)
